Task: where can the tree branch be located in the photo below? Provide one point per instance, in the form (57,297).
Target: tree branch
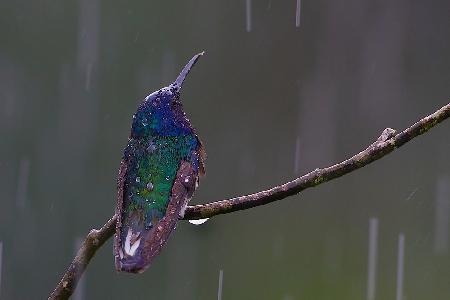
(385,144)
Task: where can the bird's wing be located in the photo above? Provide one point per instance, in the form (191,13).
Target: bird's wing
(201,157)
(120,189)
(151,241)
(182,190)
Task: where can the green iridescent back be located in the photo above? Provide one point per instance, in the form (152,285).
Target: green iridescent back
(148,188)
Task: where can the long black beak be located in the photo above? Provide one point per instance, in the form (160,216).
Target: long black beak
(179,81)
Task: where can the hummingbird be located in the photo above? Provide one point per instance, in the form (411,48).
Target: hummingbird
(159,172)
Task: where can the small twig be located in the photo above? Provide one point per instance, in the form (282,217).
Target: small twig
(385,144)
(94,240)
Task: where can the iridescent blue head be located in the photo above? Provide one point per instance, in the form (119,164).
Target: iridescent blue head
(162,111)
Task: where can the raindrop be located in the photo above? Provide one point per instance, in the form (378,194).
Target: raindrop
(400,265)
(136,36)
(248,14)
(1,256)
(219,289)
(372,258)
(198,221)
(144,122)
(297,14)
(138,179)
(149,186)
(412,194)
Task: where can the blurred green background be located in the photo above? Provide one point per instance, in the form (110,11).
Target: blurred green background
(279,92)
